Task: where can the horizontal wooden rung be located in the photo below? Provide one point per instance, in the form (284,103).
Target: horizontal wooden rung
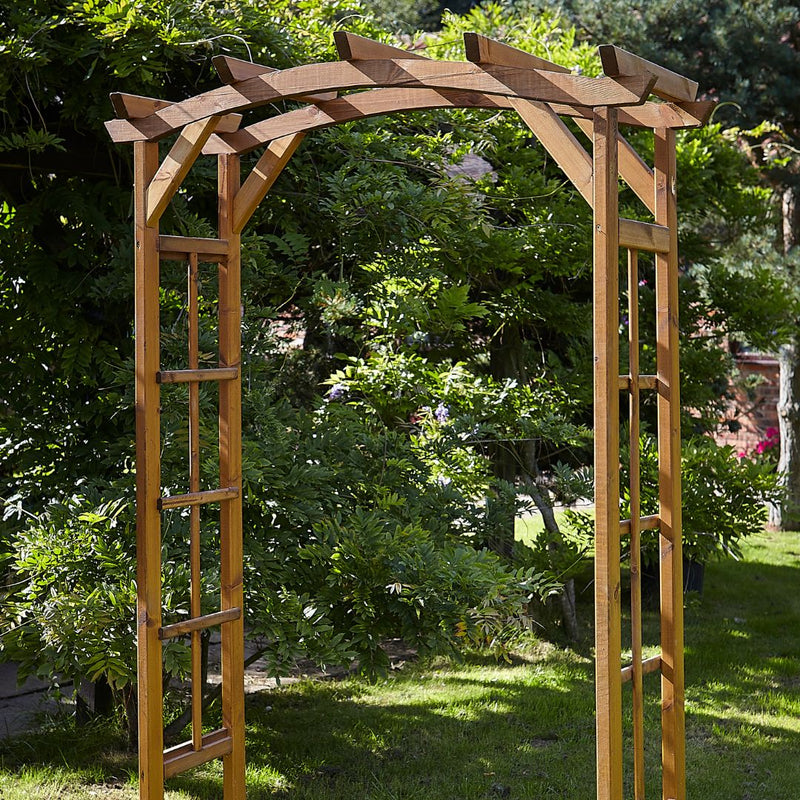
(178,248)
(190,375)
(652,664)
(645,382)
(197,498)
(636,235)
(199,623)
(649,523)
(183,756)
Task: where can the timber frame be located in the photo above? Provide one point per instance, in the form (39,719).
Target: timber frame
(495,76)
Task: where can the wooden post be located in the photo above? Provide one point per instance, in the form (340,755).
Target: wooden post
(635,514)
(230,473)
(673,744)
(606,457)
(148,481)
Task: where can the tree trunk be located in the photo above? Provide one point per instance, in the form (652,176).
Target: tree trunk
(506,361)
(783,516)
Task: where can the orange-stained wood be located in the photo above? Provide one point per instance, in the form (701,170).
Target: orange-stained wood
(230,474)
(608,647)
(669,85)
(673,737)
(408,72)
(148,481)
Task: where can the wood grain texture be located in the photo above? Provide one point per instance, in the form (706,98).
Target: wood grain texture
(230,474)
(183,756)
(669,85)
(231,70)
(148,481)
(673,737)
(352,47)
(482,50)
(634,494)
(606,457)
(176,165)
(262,177)
(199,623)
(643,236)
(415,73)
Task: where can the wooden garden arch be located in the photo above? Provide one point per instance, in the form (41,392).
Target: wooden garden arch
(495,76)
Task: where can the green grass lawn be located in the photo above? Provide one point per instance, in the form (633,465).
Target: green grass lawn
(446,731)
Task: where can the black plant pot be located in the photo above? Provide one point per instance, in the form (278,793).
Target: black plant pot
(693,580)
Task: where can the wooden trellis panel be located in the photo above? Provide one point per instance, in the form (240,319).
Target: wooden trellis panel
(496,76)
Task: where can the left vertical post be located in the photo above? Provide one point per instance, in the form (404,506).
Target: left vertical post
(148,482)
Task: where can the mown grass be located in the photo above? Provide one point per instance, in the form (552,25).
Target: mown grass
(461,731)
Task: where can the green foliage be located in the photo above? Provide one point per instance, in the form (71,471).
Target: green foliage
(724,497)
(444,319)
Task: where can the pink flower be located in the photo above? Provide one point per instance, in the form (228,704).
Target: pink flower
(761,447)
(773,433)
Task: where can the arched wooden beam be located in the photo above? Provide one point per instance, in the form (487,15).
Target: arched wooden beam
(545,86)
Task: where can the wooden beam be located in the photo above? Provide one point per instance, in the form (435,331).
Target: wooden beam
(133,106)
(559,141)
(199,623)
(632,167)
(352,47)
(183,756)
(606,457)
(148,481)
(669,85)
(232,70)
(483,50)
(636,235)
(178,248)
(230,474)
(531,84)
(673,734)
(262,177)
(176,165)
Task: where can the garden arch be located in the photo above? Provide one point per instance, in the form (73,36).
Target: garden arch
(495,76)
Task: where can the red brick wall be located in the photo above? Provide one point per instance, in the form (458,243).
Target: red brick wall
(756,414)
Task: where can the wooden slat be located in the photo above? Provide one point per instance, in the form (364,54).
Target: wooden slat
(134,106)
(262,177)
(197,498)
(408,72)
(649,665)
(643,236)
(193,314)
(199,623)
(635,526)
(384,101)
(606,457)
(191,375)
(352,47)
(648,523)
(183,756)
(482,50)
(632,167)
(669,85)
(176,165)
(230,473)
(645,382)
(675,116)
(148,480)
(559,141)
(673,735)
(184,245)
(232,70)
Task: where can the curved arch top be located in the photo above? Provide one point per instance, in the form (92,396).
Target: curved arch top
(529,84)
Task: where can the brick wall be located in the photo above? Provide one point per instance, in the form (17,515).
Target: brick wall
(757,413)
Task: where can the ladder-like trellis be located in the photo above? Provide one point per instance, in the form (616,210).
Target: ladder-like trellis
(496,76)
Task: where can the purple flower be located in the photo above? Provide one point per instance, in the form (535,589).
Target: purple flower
(336,391)
(442,413)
